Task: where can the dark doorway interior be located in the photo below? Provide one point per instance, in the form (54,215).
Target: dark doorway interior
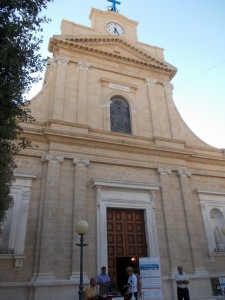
(121,264)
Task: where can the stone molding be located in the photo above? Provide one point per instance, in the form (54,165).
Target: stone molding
(184,173)
(81,162)
(142,58)
(108,144)
(164,171)
(119,87)
(123,195)
(124,86)
(52,158)
(16,225)
(18,262)
(210,200)
(93,141)
(118,184)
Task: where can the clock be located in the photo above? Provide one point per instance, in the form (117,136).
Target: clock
(115,29)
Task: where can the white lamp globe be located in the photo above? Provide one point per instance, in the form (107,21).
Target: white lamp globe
(223,229)
(82,227)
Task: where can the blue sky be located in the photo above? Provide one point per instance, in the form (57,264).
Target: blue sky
(192,32)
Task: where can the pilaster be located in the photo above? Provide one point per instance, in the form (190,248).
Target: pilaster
(152,98)
(79,206)
(191,223)
(83,69)
(50,217)
(60,82)
(164,174)
(172,112)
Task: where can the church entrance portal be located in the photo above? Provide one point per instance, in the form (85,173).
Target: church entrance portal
(126,241)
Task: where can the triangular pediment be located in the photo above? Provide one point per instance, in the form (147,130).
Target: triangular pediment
(117,48)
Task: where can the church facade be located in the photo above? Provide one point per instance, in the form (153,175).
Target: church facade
(109,147)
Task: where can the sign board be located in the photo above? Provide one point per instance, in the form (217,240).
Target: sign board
(217,287)
(150,272)
(222,285)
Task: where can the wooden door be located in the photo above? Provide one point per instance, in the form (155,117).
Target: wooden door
(125,235)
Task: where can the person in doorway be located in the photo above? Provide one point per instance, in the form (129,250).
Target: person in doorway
(90,292)
(131,283)
(102,281)
(182,283)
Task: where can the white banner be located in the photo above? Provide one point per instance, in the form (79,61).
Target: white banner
(151,278)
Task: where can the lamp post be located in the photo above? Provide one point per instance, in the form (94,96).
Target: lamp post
(81,228)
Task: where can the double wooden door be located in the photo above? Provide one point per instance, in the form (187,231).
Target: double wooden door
(125,235)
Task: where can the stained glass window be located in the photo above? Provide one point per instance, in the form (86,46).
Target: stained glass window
(120,115)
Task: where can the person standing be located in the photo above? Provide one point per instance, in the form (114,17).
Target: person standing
(131,283)
(103,280)
(182,283)
(139,283)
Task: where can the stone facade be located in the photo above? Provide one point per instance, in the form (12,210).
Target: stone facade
(77,167)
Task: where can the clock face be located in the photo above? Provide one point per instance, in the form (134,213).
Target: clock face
(115,28)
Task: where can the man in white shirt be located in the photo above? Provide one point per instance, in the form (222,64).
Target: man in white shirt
(182,283)
(131,283)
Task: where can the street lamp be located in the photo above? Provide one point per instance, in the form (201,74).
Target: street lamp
(81,228)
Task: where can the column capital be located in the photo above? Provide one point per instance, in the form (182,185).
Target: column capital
(81,162)
(169,86)
(164,171)
(61,60)
(184,173)
(150,82)
(52,158)
(83,66)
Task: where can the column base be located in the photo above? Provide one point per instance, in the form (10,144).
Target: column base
(75,276)
(43,278)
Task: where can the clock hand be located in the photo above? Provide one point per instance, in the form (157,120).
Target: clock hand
(116,31)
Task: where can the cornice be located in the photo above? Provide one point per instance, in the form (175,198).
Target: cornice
(210,192)
(135,146)
(77,43)
(109,144)
(118,184)
(211,160)
(29,176)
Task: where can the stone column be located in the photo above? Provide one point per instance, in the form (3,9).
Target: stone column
(151,85)
(168,215)
(82,92)
(192,225)
(50,217)
(60,82)
(79,207)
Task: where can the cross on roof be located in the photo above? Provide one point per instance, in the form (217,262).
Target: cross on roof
(114,2)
